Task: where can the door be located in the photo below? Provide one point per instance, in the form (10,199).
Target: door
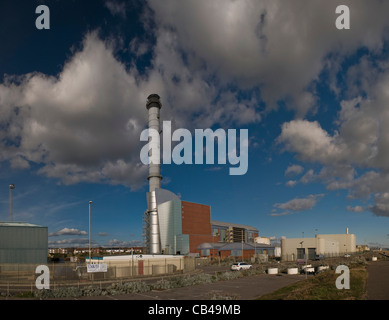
(300,253)
(311,253)
(140,267)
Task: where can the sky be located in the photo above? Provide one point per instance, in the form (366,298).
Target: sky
(314,99)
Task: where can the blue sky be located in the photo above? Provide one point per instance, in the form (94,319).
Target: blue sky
(313,98)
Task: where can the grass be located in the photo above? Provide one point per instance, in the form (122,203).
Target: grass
(322,287)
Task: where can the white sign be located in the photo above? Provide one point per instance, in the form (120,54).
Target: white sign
(100,267)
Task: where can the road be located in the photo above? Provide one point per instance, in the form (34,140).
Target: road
(378,280)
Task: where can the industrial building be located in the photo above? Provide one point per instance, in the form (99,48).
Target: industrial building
(233,232)
(174,226)
(321,244)
(23,243)
(236,250)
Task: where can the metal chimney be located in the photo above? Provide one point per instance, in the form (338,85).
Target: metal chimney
(153,106)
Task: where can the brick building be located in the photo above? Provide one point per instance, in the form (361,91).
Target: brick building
(184,226)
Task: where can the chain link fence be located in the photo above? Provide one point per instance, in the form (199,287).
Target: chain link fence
(17,277)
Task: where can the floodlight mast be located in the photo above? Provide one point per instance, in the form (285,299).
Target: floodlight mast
(11,187)
(90,202)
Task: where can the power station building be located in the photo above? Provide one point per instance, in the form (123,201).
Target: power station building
(174,226)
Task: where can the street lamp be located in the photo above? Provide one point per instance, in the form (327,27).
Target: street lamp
(90,202)
(11,187)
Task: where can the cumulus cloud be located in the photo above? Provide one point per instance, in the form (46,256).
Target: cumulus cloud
(67,232)
(291,183)
(252,50)
(78,126)
(211,67)
(355,157)
(310,142)
(355,209)
(296,205)
(381,207)
(294,169)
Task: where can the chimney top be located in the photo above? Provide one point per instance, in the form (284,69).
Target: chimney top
(153,99)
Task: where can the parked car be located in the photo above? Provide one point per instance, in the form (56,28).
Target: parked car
(319,257)
(240,266)
(347,255)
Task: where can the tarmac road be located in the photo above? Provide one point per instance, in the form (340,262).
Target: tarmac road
(378,280)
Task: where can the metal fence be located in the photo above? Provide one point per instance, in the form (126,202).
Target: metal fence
(295,257)
(13,276)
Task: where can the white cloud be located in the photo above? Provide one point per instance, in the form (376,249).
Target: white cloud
(291,183)
(294,169)
(296,205)
(67,232)
(355,209)
(356,156)
(310,142)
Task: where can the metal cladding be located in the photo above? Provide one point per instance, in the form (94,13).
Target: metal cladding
(153,106)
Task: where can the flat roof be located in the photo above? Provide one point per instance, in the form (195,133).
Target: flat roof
(18,224)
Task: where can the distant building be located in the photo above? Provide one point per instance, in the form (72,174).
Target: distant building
(233,232)
(362,248)
(23,243)
(235,249)
(322,244)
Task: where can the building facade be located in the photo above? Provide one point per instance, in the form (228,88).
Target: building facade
(323,244)
(233,232)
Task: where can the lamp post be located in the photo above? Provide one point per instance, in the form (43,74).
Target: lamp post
(242,244)
(90,202)
(11,187)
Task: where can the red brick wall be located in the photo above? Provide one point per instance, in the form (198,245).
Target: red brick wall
(196,222)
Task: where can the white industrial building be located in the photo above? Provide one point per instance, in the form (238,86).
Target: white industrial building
(321,244)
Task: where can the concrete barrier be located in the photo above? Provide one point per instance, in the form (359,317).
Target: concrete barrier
(293,271)
(272,271)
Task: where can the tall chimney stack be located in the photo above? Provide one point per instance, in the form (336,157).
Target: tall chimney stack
(154,106)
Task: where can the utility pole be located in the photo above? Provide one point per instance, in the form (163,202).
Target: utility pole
(11,187)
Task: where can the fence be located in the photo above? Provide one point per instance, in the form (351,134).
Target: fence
(19,275)
(294,257)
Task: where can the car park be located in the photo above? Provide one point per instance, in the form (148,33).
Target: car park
(240,266)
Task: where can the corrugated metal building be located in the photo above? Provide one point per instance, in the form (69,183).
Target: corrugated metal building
(22,242)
